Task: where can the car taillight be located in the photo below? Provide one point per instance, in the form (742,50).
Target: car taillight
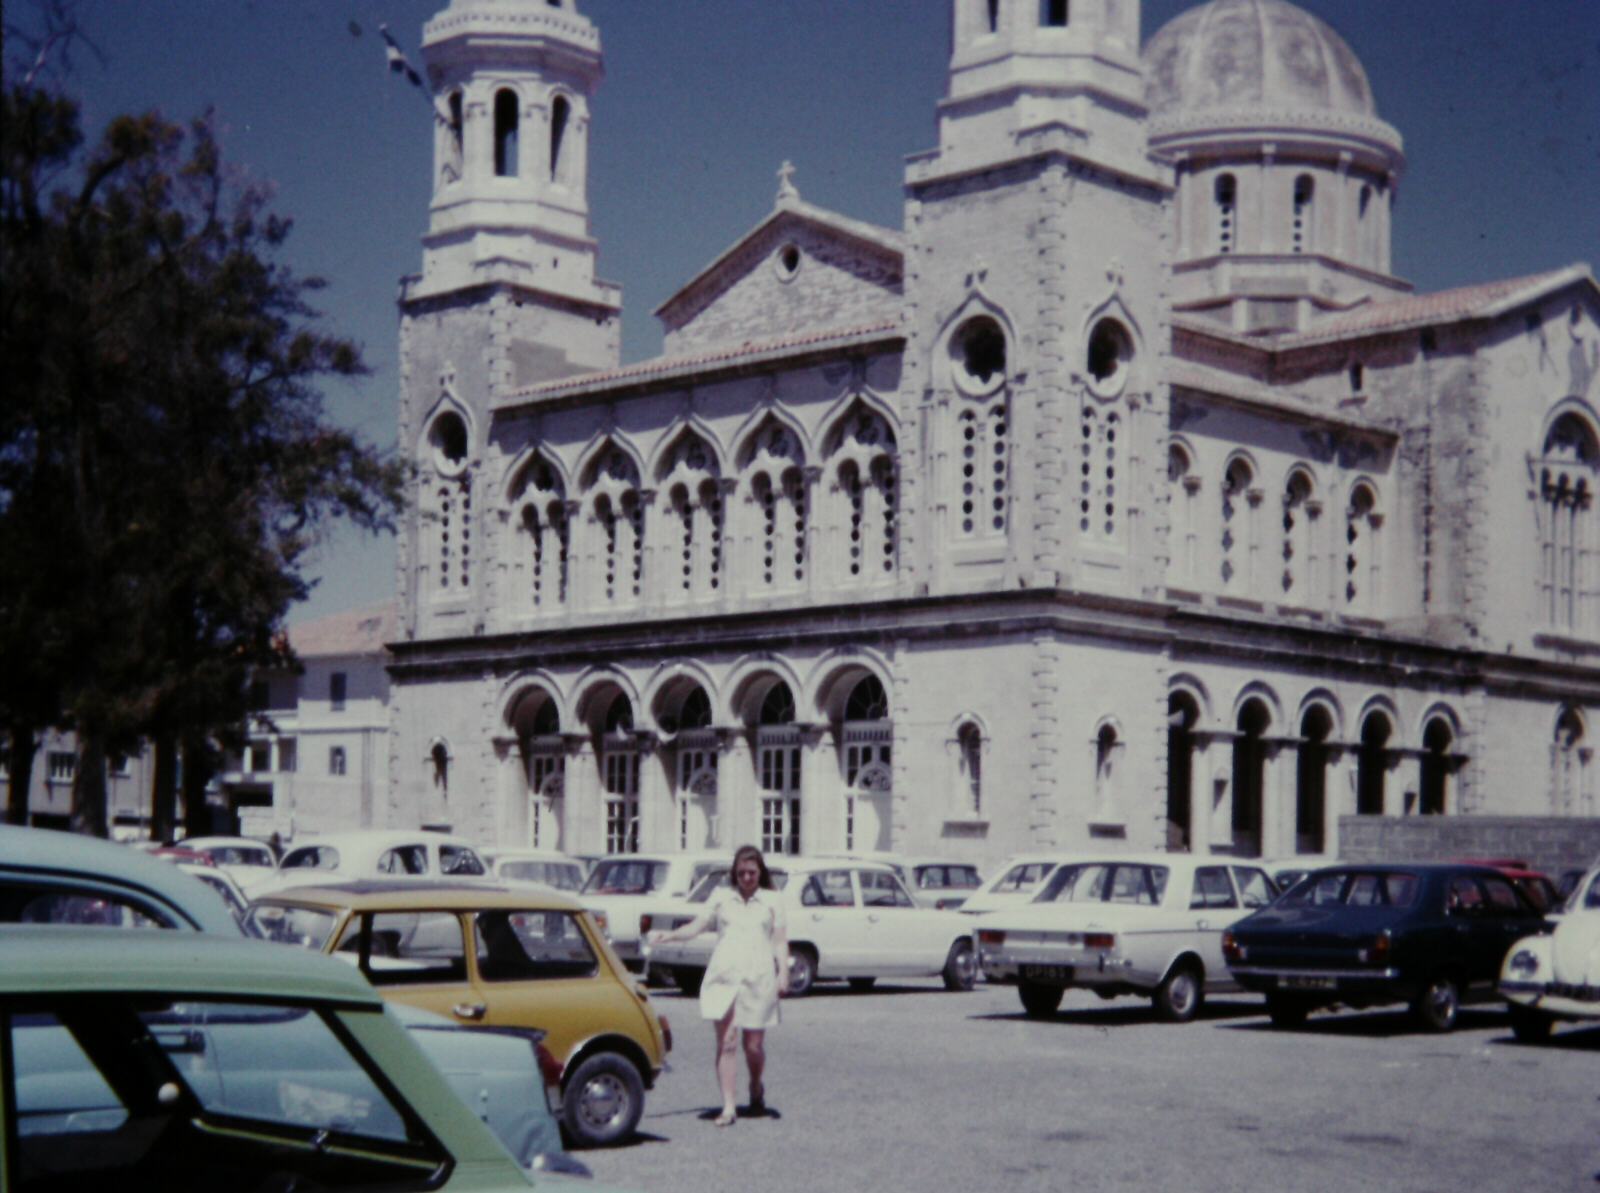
(1232,951)
(600,918)
(549,1066)
(666,1034)
(644,923)
(991,936)
(1377,953)
(1098,940)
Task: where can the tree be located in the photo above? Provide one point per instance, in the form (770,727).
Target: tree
(165,464)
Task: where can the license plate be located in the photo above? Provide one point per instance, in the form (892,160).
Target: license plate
(1047,973)
(1290,981)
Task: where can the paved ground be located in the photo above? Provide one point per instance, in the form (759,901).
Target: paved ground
(912,1088)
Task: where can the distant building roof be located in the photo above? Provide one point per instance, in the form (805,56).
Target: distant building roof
(362,630)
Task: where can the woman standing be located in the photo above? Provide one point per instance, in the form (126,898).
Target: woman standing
(746,975)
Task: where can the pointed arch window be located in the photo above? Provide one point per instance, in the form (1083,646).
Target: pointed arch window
(866,748)
(1300,507)
(1185,490)
(619,776)
(1237,540)
(969,747)
(505,133)
(1362,556)
(1568,530)
(692,479)
(865,482)
(779,752)
(1570,755)
(694,770)
(541,498)
(537,724)
(617,525)
(1099,509)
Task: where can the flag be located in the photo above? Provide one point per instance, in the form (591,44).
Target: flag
(397,58)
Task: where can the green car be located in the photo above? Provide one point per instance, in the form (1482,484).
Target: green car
(145,1061)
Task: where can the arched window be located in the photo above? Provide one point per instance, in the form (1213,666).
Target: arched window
(505,134)
(1304,188)
(1299,556)
(1107,754)
(691,478)
(1225,196)
(1185,490)
(449,503)
(544,523)
(537,723)
(1237,542)
(1372,765)
(1433,796)
(616,525)
(1567,526)
(619,774)
(1098,504)
(969,744)
(1569,767)
(865,742)
(863,466)
(777,508)
(978,354)
(695,768)
(451,165)
(994,16)
(1311,787)
(1249,774)
(1182,716)
(560,113)
(1053,13)
(1361,559)
(778,755)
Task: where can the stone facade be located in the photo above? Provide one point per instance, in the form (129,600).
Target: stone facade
(1121,494)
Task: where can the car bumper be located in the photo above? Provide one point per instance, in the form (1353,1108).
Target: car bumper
(1059,967)
(1330,983)
(1563,999)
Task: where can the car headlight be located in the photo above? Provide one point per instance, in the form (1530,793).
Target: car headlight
(1523,963)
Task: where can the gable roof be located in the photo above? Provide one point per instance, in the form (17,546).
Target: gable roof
(365,629)
(882,242)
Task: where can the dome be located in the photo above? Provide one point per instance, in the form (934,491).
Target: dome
(1261,57)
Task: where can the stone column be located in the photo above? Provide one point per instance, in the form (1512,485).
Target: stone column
(821,822)
(511,792)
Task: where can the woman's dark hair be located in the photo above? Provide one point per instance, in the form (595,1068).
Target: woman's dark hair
(753,854)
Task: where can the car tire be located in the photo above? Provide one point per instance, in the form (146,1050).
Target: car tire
(862,985)
(1528,1025)
(1039,1001)
(802,971)
(1178,998)
(960,967)
(688,978)
(1286,1012)
(602,1101)
(1438,1006)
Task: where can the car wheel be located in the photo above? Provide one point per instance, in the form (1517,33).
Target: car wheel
(1286,1012)
(1528,1025)
(961,967)
(688,978)
(802,972)
(603,1100)
(1178,998)
(1039,1001)
(1437,1007)
(862,985)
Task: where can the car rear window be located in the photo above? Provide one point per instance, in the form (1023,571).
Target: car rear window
(1106,882)
(312,857)
(1354,888)
(520,946)
(411,948)
(1023,875)
(28,903)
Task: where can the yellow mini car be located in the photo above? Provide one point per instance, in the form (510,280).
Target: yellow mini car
(498,957)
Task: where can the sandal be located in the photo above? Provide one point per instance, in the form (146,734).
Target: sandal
(726,1119)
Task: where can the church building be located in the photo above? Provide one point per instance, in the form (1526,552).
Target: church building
(1121,494)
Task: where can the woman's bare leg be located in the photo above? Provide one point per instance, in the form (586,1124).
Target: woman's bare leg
(727,1064)
(755,1055)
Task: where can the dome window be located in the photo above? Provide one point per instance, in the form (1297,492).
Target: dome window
(978,351)
(1304,188)
(1225,194)
(1110,350)
(994,16)
(1053,13)
(560,111)
(505,134)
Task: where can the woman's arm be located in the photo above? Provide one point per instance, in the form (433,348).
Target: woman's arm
(780,948)
(684,931)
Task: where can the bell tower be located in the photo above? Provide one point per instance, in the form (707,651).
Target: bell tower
(507,296)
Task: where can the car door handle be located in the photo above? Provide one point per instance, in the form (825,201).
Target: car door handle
(469,1010)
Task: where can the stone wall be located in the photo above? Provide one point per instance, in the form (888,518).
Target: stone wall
(1548,843)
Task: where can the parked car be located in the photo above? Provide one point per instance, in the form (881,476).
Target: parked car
(385,853)
(1017,881)
(53,877)
(499,957)
(1286,871)
(1535,885)
(1556,976)
(622,885)
(145,1062)
(1146,924)
(222,882)
(248,862)
(1429,934)
(941,883)
(851,920)
(1567,883)
(535,865)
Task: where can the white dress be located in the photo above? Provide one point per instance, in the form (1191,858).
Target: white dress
(742,973)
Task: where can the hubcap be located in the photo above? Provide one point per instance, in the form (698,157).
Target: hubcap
(604,1100)
(1183,988)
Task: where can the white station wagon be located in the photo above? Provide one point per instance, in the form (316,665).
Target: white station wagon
(1146,924)
(1557,975)
(846,919)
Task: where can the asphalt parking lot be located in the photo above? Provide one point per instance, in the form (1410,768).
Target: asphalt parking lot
(909,1087)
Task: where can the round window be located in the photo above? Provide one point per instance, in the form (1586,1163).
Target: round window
(787,261)
(978,354)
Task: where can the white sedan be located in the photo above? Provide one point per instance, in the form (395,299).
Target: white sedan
(1146,924)
(1557,976)
(375,853)
(623,884)
(846,919)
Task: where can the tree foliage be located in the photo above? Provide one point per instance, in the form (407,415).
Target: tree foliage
(165,461)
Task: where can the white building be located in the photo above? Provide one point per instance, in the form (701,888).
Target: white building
(1122,492)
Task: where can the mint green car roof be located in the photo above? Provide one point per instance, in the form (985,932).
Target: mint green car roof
(45,959)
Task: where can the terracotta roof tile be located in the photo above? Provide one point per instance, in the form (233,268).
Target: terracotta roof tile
(1442,306)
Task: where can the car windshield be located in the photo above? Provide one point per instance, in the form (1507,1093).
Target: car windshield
(1106,882)
(625,876)
(1023,875)
(1354,888)
(943,877)
(308,927)
(564,876)
(1584,895)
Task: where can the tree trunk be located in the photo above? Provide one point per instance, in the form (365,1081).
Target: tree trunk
(89,786)
(197,771)
(164,788)
(24,748)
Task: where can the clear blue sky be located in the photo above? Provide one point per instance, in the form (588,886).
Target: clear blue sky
(1498,102)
